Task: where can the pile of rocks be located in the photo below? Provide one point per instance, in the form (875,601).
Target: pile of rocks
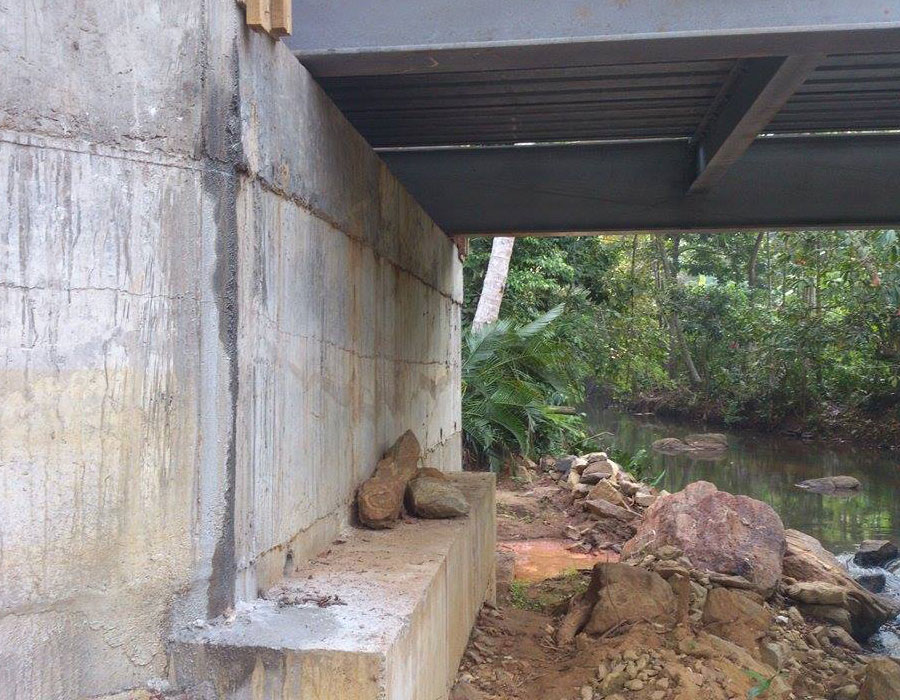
(605,491)
(427,492)
(720,579)
(826,592)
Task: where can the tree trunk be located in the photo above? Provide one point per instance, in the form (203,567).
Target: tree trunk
(492,289)
(685,351)
(634,245)
(674,343)
(674,322)
(754,256)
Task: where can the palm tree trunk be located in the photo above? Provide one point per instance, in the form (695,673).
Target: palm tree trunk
(494,284)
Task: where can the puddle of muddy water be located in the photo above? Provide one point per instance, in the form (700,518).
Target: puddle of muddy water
(537,560)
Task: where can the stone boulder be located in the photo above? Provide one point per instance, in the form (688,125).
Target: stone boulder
(806,560)
(379,500)
(522,469)
(670,445)
(874,582)
(618,594)
(646,497)
(604,509)
(817,593)
(875,553)
(700,442)
(599,469)
(430,497)
(832,614)
(732,615)
(717,531)
(628,485)
(565,464)
(605,491)
(431,471)
(707,441)
(829,484)
(629,594)
(401,461)
(882,681)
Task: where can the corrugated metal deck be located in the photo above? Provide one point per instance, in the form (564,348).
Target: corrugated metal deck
(716,78)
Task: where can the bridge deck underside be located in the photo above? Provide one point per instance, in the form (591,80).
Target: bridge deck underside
(614,122)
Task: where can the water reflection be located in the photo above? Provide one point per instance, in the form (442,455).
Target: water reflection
(767,467)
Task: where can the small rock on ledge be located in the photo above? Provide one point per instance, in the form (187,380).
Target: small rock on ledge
(432,497)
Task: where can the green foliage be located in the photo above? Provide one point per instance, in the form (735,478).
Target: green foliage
(779,325)
(639,464)
(519,598)
(762,684)
(549,595)
(517,383)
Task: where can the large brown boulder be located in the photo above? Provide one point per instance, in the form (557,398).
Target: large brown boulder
(806,560)
(817,593)
(618,594)
(717,531)
(882,681)
(629,594)
(379,500)
(605,509)
(599,469)
(670,445)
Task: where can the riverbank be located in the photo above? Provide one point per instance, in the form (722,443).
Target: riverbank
(876,428)
(680,625)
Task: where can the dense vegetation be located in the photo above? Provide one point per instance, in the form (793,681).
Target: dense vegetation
(516,380)
(784,328)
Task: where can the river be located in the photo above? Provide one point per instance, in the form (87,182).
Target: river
(766,467)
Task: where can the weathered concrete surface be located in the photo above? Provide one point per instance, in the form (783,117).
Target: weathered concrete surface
(349,318)
(217,308)
(410,597)
(114,383)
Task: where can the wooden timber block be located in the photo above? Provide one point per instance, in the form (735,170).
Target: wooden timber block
(282,21)
(270,16)
(259,15)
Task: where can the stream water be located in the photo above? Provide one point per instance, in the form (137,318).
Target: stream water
(766,467)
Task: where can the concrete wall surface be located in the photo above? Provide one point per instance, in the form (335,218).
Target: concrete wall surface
(217,308)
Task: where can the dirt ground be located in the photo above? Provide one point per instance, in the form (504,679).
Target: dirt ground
(513,652)
(543,510)
(512,655)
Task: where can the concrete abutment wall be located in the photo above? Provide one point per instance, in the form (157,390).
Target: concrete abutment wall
(217,308)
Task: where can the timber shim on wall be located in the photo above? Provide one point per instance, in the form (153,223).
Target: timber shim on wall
(270,16)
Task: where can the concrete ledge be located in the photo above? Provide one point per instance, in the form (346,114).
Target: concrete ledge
(409,599)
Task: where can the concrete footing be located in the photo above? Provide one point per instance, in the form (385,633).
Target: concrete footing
(381,614)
